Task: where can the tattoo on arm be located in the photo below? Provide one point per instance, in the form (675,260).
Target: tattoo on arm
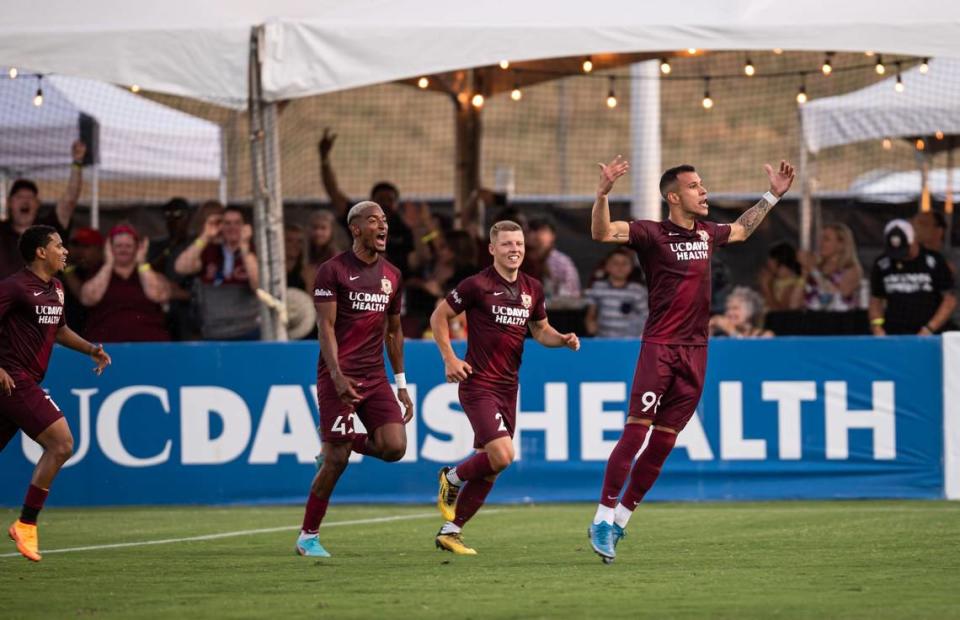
(752,217)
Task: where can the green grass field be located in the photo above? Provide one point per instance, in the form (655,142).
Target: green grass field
(745,560)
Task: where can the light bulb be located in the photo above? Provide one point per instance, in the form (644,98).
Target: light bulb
(920,144)
(134,88)
(504,64)
(611,100)
(13,73)
(423,82)
(880,69)
(827,67)
(749,69)
(899,84)
(777,50)
(477,100)
(887,144)
(868,53)
(802,96)
(939,135)
(691,50)
(707,101)
(587,65)
(665,67)
(516,94)
(924,66)
(38,98)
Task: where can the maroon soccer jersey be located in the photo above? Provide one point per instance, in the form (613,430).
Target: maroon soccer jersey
(676,262)
(365,295)
(31,312)
(497,316)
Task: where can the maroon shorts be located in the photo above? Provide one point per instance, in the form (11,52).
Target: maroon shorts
(378,406)
(492,411)
(668,383)
(28,408)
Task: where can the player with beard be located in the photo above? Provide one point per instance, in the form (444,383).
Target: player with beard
(31,320)
(501,303)
(357,294)
(675,255)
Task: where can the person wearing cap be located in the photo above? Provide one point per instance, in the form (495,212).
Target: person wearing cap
(556,270)
(23,203)
(84,260)
(911,287)
(126,296)
(163,254)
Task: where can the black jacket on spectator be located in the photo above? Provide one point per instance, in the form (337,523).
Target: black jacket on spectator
(912,288)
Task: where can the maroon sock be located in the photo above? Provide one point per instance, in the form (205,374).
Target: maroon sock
(360,446)
(313,515)
(618,465)
(471,498)
(477,467)
(648,466)
(33,504)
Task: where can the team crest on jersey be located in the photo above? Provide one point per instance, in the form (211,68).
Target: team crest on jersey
(60,295)
(386,286)
(526,300)
(704,235)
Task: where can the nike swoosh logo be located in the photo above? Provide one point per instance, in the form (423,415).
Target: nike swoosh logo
(673,234)
(496,294)
(38,293)
(352,278)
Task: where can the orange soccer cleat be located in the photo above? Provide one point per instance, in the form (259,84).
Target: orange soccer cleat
(25,535)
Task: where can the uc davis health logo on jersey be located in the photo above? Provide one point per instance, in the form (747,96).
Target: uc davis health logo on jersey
(60,295)
(704,235)
(386,286)
(526,300)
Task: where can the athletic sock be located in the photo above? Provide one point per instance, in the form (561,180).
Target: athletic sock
(33,504)
(604,513)
(477,467)
(621,458)
(453,477)
(471,498)
(621,515)
(359,445)
(450,528)
(313,515)
(648,467)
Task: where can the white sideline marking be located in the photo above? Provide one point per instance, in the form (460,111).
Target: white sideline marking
(266,530)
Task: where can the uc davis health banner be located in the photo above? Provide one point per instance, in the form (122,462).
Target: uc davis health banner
(218,423)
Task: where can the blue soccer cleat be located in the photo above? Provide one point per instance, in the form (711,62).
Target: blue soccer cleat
(309,546)
(617,534)
(319,460)
(601,539)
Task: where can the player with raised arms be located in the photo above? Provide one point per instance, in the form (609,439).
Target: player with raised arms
(501,303)
(31,320)
(675,256)
(357,294)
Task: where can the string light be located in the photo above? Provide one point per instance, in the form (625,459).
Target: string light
(691,50)
(802,93)
(898,86)
(868,53)
(924,66)
(38,98)
(887,144)
(423,82)
(665,66)
(879,68)
(13,73)
(477,100)
(504,64)
(939,135)
(707,101)
(611,96)
(516,93)
(827,67)
(134,88)
(920,144)
(749,69)
(778,50)
(587,65)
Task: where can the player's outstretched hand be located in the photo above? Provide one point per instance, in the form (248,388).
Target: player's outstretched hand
(347,389)
(6,383)
(404,397)
(780,180)
(609,173)
(102,358)
(457,370)
(571,341)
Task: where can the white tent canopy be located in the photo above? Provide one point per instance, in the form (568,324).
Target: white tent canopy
(199,49)
(928,104)
(904,186)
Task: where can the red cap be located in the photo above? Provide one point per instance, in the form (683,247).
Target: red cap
(123,229)
(87,236)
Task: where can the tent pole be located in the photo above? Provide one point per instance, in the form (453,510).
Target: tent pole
(805,223)
(948,200)
(267,201)
(468,132)
(924,161)
(222,190)
(95,198)
(645,161)
(3,195)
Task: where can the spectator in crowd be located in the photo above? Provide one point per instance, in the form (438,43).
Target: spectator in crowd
(227,277)
(181,318)
(617,306)
(23,205)
(930,228)
(911,287)
(743,317)
(83,261)
(556,270)
(832,279)
(325,240)
(294,250)
(400,242)
(781,282)
(126,295)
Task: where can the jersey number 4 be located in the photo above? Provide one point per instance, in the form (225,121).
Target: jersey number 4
(343,424)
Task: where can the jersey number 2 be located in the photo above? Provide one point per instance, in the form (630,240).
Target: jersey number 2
(499,418)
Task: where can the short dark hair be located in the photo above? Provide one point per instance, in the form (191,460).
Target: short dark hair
(233,209)
(20,184)
(669,178)
(177,205)
(383,185)
(784,253)
(541,222)
(33,238)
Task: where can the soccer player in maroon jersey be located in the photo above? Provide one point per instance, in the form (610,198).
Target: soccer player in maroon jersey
(357,294)
(675,255)
(501,303)
(31,320)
